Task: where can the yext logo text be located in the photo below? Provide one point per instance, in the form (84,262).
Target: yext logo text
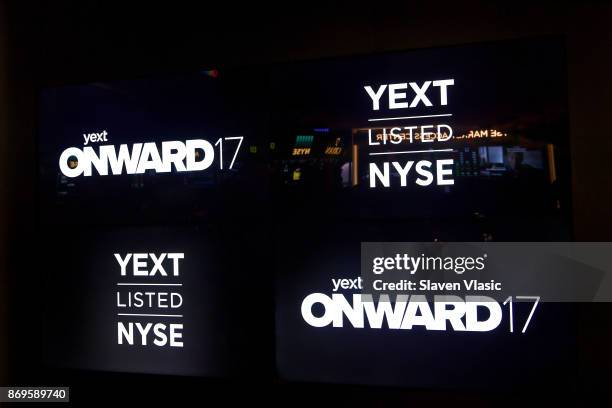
(95,137)
(190,155)
(398,96)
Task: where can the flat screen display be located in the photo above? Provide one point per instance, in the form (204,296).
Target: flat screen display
(443,145)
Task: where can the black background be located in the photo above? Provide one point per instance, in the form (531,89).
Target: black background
(57,43)
(296,231)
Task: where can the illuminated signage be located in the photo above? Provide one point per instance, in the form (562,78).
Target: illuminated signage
(303,141)
(149,298)
(334,150)
(406,134)
(397,98)
(422,168)
(300,151)
(397,95)
(405,313)
(303,144)
(191,155)
(396,136)
(482,134)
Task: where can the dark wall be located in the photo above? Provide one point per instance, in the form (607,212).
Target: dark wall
(47,43)
(3,196)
